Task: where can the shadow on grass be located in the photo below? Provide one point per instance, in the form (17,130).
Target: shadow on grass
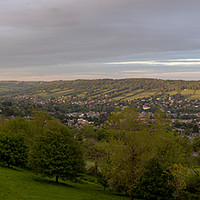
(46,181)
(121,195)
(113,193)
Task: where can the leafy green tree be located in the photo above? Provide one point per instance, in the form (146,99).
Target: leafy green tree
(176,150)
(3,122)
(20,125)
(39,122)
(101,134)
(192,190)
(195,128)
(13,150)
(180,174)
(90,143)
(154,183)
(56,153)
(196,144)
(89,131)
(132,141)
(102,180)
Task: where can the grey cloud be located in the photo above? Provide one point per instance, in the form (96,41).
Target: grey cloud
(53,32)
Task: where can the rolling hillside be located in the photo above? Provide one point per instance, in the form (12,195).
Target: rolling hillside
(12,87)
(23,184)
(122,89)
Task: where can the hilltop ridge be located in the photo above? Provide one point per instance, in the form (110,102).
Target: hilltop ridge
(114,89)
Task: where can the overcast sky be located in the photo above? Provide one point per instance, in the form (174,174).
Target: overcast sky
(73,39)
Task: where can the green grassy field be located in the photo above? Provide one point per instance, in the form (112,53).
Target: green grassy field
(140,94)
(24,185)
(187,92)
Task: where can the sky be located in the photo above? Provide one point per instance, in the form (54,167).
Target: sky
(95,39)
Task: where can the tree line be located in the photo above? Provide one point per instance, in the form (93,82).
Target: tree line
(43,144)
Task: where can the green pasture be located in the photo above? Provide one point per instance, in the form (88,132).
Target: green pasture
(82,94)
(187,92)
(101,92)
(19,184)
(172,92)
(143,95)
(139,94)
(128,95)
(55,93)
(196,95)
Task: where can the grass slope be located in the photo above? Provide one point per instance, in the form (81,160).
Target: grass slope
(24,185)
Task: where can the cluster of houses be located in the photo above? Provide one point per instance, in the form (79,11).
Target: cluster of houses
(178,107)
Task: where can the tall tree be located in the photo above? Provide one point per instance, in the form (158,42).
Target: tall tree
(132,141)
(56,153)
(155,182)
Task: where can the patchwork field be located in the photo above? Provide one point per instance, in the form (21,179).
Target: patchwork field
(119,89)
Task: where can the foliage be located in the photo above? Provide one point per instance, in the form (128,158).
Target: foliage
(13,150)
(90,138)
(102,180)
(192,190)
(196,144)
(180,174)
(154,183)
(176,150)
(40,120)
(131,143)
(56,153)
(20,125)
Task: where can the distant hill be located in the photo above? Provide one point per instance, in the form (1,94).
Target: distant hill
(12,87)
(121,89)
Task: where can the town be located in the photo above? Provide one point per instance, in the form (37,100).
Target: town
(78,111)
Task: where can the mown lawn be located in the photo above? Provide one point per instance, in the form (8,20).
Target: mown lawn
(19,184)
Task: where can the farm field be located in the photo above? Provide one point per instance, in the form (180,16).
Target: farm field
(121,89)
(187,92)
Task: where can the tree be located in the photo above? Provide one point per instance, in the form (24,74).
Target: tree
(90,143)
(13,150)
(176,150)
(196,144)
(179,173)
(56,153)
(155,182)
(132,141)
(20,125)
(40,120)
(195,128)
(102,180)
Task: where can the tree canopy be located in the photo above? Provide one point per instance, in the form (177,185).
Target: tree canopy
(56,153)
(132,141)
(13,150)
